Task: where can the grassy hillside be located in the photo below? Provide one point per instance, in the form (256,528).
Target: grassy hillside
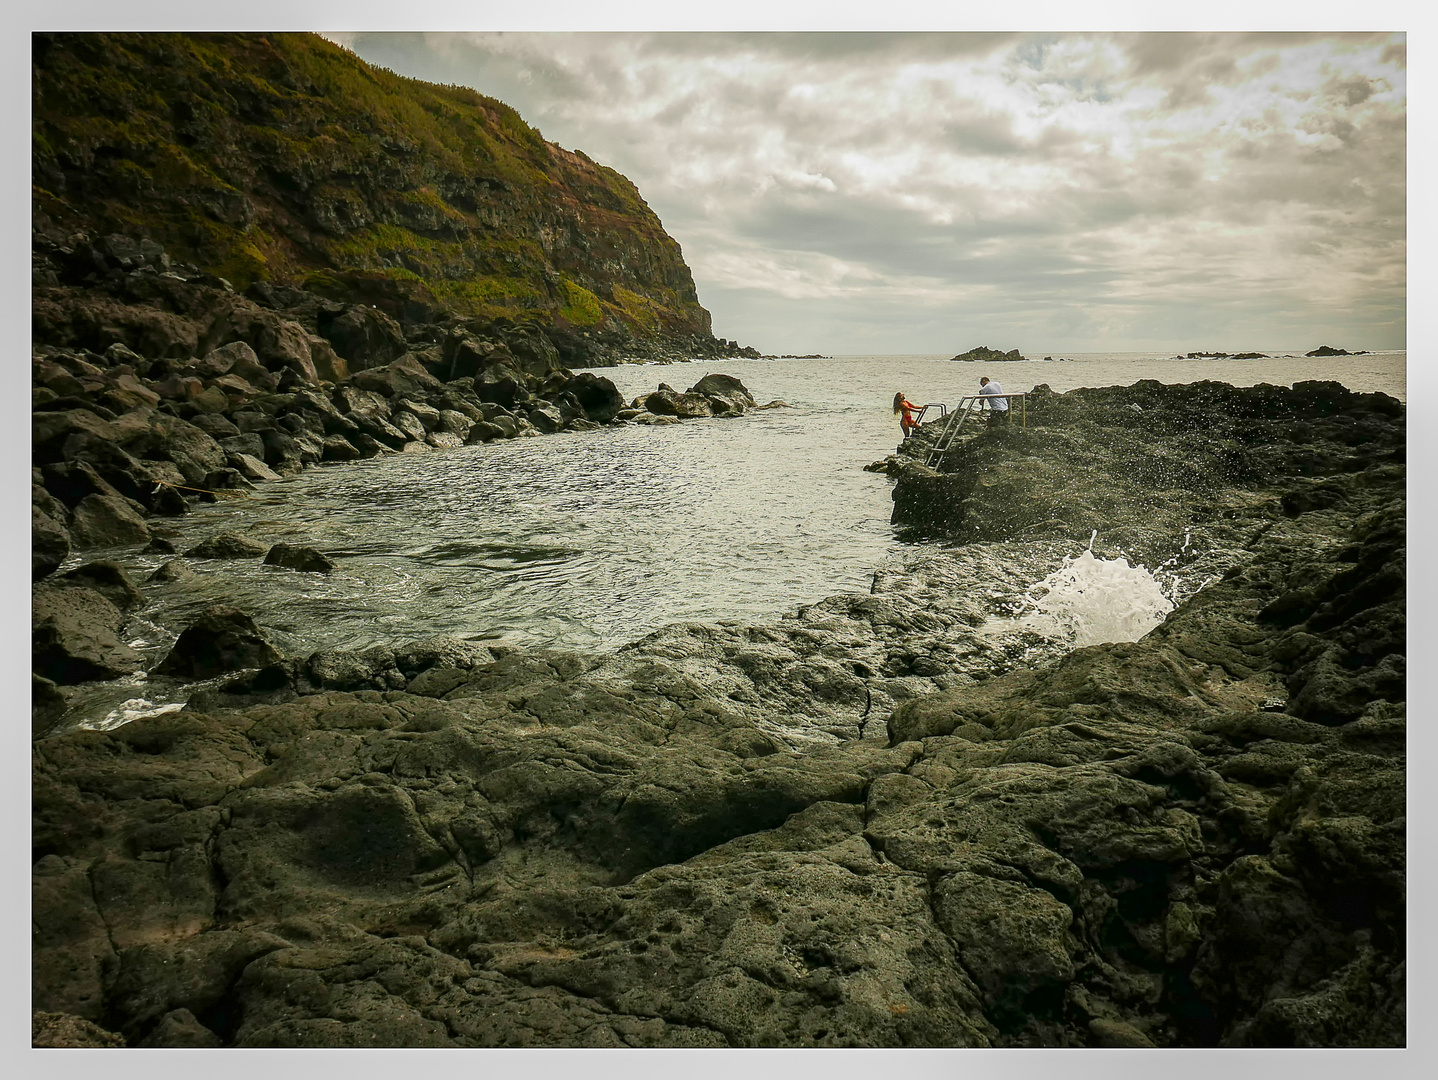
(285,158)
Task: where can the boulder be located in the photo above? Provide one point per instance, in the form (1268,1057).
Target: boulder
(337,448)
(176,570)
(74,636)
(351,399)
(365,336)
(298,557)
(225,358)
(597,396)
(49,544)
(228,546)
(54,1030)
(221,640)
(47,703)
(546,418)
(71,481)
(252,468)
(404,377)
(427,415)
(106,521)
(408,423)
(723,386)
(465,357)
(455,422)
(108,579)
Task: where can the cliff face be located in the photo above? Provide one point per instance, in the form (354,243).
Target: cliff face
(285,159)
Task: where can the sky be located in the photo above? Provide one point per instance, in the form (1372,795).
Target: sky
(930,192)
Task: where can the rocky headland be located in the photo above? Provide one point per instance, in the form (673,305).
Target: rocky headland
(896,818)
(984,354)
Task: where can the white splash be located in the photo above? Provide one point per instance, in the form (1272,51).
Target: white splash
(126,711)
(1095,600)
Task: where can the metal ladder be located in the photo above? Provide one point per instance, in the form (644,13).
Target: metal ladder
(961,412)
(950,432)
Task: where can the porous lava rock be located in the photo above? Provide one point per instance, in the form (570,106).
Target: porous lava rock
(890,818)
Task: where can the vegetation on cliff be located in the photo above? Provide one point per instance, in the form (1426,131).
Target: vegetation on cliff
(285,159)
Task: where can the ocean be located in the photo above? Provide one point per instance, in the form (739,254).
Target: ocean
(590,540)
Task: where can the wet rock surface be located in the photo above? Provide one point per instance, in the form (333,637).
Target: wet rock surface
(900,818)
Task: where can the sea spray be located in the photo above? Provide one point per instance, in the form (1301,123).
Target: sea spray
(1094,600)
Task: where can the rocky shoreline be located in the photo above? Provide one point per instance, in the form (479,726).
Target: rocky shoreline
(898,818)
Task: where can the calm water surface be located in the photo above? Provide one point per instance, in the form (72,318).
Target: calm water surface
(590,540)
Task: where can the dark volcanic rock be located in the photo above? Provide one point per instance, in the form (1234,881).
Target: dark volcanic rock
(106,521)
(74,636)
(298,557)
(228,546)
(49,544)
(222,639)
(986,355)
(106,578)
(52,1030)
(886,819)
(1328,350)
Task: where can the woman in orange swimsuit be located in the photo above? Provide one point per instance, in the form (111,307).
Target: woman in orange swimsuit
(906,407)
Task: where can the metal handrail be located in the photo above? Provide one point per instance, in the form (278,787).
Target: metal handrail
(971,404)
(943,411)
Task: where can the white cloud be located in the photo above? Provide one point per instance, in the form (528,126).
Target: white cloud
(1038,188)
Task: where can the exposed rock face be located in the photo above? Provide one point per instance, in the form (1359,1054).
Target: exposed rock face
(984,354)
(884,820)
(395,199)
(221,640)
(49,543)
(74,636)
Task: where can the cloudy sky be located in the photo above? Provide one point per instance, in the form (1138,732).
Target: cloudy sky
(932,192)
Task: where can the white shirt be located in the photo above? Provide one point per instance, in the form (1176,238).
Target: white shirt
(993,389)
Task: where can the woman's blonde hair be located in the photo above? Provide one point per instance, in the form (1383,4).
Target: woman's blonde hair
(898,402)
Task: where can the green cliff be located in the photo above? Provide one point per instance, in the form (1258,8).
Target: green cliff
(285,159)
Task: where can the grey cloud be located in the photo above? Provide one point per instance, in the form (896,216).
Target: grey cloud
(1005,195)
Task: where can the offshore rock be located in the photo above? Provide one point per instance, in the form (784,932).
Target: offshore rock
(984,354)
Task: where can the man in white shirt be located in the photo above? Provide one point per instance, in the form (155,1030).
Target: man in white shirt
(998,404)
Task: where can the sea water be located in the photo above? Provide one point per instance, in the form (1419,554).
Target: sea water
(590,540)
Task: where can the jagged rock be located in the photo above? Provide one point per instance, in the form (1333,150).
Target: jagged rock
(74,636)
(222,639)
(546,418)
(337,448)
(52,1030)
(49,544)
(176,570)
(108,579)
(723,386)
(47,703)
(228,546)
(252,468)
(106,521)
(298,557)
(405,377)
(986,355)
(179,1029)
(365,336)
